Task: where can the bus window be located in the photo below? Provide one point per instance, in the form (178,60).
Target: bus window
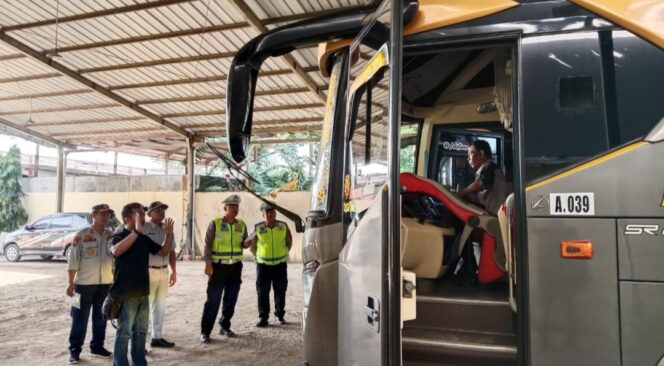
(367,176)
(410,133)
(587,93)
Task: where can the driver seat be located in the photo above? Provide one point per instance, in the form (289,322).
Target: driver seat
(492,263)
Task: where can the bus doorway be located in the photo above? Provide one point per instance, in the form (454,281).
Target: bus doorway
(465,297)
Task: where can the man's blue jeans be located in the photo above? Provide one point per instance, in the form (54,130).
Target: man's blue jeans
(92,298)
(133,324)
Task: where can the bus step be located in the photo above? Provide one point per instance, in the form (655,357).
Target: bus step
(446,306)
(423,346)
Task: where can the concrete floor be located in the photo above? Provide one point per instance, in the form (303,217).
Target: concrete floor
(35,321)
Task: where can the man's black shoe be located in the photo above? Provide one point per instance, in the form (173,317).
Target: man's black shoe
(161,342)
(262,324)
(205,338)
(101,353)
(282,321)
(226,332)
(73,358)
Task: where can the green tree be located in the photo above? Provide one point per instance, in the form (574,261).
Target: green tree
(278,164)
(12,213)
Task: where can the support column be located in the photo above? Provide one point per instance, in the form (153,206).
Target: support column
(191,176)
(36,165)
(60,179)
(166,164)
(115,163)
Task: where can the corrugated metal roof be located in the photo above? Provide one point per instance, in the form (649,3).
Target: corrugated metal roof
(165,57)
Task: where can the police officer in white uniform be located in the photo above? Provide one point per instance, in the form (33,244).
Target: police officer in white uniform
(160,279)
(90,276)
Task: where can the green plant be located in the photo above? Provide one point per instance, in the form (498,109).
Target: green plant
(279,164)
(12,213)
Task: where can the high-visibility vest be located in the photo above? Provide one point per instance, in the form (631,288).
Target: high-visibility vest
(227,243)
(271,248)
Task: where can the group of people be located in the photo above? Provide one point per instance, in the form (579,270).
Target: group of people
(131,265)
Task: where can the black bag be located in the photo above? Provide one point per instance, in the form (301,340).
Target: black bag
(463,268)
(111,308)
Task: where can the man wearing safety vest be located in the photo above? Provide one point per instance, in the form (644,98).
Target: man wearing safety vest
(224,241)
(270,244)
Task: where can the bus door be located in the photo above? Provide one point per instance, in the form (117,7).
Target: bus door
(366,315)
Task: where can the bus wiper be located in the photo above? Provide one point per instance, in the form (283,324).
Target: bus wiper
(234,168)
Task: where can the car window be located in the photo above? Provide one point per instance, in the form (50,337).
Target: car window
(41,224)
(61,222)
(79,221)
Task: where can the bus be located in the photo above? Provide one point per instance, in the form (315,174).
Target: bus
(398,269)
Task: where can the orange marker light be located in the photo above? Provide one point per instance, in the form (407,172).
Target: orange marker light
(576,249)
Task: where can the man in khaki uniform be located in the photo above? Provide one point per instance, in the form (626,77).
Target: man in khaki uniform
(90,276)
(160,279)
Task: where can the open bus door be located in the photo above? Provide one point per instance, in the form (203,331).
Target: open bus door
(369,263)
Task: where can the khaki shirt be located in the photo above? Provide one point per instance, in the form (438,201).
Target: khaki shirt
(91,257)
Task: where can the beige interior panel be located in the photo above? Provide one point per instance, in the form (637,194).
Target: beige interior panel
(422,248)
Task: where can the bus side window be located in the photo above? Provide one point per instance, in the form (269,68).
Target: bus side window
(585,93)
(639,70)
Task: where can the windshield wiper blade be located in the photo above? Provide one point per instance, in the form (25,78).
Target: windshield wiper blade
(232,167)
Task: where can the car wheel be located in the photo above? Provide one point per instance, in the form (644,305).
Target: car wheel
(68,253)
(12,253)
(47,257)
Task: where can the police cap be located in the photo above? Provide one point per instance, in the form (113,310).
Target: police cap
(102,207)
(156,205)
(266,206)
(233,199)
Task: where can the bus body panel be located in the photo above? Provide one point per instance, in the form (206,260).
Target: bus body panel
(320,316)
(641,323)
(574,314)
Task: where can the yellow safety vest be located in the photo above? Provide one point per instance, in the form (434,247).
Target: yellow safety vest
(271,248)
(227,243)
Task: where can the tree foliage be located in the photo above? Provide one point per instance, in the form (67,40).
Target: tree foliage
(12,213)
(280,164)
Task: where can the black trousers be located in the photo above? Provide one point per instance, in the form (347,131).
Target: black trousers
(225,280)
(275,277)
(92,298)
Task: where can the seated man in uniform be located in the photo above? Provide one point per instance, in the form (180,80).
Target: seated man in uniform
(490,188)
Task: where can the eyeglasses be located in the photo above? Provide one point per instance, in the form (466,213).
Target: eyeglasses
(104,213)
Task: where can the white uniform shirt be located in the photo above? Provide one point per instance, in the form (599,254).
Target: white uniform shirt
(157,234)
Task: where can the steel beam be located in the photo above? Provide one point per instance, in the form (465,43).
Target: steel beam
(59,109)
(45,95)
(177,60)
(38,56)
(96,14)
(153,84)
(75,122)
(198,98)
(257,109)
(191,177)
(61,174)
(257,24)
(30,77)
(35,136)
